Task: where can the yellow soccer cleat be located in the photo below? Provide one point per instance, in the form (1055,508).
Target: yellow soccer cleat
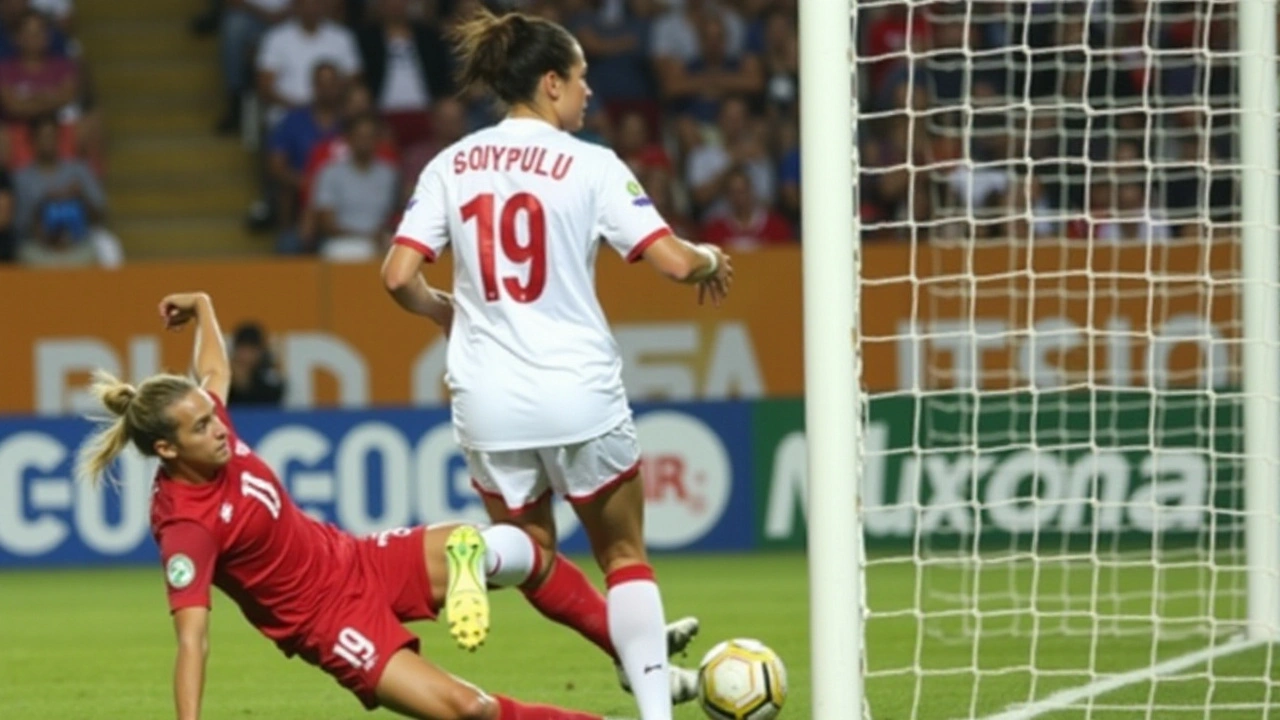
(466,602)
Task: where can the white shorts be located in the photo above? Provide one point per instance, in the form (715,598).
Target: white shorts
(578,472)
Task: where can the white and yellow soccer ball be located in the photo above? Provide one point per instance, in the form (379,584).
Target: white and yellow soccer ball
(742,679)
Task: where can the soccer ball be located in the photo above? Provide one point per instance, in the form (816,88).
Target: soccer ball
(742,680)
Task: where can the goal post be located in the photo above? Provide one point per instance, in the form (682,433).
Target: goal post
(1044,478)
(1260,258)
(830,259)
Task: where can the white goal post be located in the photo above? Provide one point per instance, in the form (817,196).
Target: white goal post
(1042,354)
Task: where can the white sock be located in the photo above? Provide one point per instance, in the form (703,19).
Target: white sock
(639,634)
(510,557)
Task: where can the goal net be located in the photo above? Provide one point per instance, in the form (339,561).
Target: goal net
(1053,342)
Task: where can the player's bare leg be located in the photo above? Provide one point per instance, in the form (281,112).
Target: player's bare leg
(414,687)
(614,522)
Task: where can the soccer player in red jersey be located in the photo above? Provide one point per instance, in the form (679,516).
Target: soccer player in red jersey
(222,518)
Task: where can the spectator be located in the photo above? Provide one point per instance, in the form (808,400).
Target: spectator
(673,37)
(699,86)
(60,208)
(358,102)
(295,137)
(745,223)
(633,144)
(11,15)
(1133,219)
(890,33)
(354,200)
(1029,213)
(291,50)
(789,171)
(781,62)
(255,378)
(60,12)
(242,24)
(38,83)
(616,47)
(738,143)
(406,65)
(448,125)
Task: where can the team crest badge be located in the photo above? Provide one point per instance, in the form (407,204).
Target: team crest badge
(180,571)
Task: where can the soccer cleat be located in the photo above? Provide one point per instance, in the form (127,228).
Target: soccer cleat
(467,601)
(684,682)
(680,633)
(684,685)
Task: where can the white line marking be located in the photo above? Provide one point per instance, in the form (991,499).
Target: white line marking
(1068,698)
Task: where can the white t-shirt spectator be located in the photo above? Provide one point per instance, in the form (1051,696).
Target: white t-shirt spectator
(710,159)
(405,87)
(673,36)
(291,53)
(361,200)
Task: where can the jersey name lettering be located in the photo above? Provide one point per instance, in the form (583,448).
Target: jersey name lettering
(509,159)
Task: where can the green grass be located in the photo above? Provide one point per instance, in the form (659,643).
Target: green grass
(89,644)
(98,644)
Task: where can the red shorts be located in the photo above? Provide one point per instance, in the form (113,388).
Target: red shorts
(361,630)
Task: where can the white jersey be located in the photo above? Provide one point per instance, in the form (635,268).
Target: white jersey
(531,360)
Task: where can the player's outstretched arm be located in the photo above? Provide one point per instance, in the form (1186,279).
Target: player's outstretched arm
(705,265)
(209,356)
(192,627)
(402,277)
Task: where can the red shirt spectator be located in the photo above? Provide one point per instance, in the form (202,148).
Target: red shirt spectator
(886,40)
(746,223)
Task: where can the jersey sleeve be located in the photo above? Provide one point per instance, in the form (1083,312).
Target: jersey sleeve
(188,553)
(425,224)
(626,217)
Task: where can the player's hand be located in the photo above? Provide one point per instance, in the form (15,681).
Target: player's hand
(180,308)
(716,287)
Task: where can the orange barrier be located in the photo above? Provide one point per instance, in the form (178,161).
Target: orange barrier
(343,341)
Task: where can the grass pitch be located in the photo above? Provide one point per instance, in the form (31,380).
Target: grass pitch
(98,644)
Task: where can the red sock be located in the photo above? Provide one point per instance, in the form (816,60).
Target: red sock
(569,598)
(509,709)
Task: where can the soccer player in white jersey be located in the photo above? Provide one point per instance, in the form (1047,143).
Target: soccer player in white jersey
(533,370)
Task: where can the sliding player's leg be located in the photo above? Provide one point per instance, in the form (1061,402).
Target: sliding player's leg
(416,688)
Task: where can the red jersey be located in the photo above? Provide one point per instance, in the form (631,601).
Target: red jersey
(242,533)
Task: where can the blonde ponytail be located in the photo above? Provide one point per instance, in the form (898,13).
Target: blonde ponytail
(138,415)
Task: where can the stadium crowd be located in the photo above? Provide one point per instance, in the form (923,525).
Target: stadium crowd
(51,198)
(356,97)
(1097,120)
